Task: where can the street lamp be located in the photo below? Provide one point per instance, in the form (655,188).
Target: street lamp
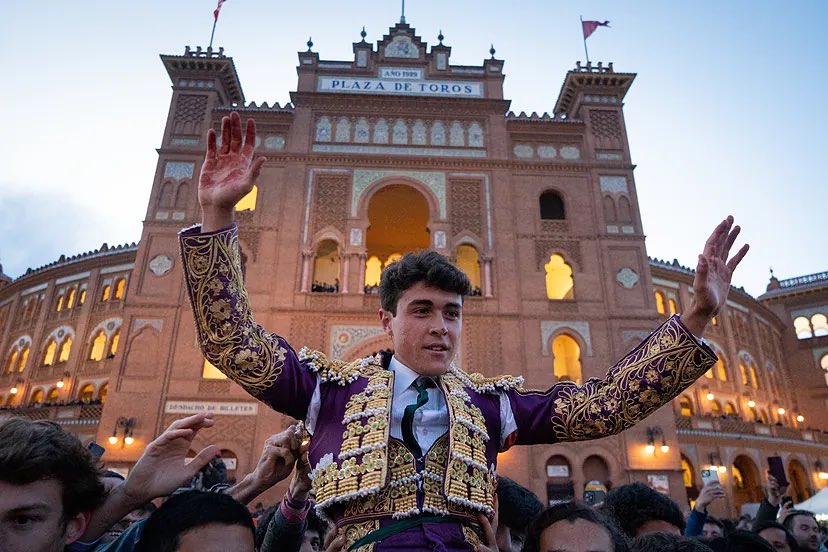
(652,433)
(128,424)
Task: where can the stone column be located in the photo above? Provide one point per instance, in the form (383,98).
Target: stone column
(306,260)
(345,273)
(363,257)
(487,276)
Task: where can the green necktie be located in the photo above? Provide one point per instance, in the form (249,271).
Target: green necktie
(421,385)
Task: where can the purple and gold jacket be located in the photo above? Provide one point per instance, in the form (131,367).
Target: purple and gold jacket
(363,478)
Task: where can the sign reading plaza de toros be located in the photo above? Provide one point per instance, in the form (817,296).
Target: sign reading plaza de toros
(402,81)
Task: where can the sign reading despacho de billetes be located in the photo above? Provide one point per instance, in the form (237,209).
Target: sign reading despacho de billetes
(226,408)
(403,86)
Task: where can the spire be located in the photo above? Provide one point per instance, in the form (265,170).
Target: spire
(402,14)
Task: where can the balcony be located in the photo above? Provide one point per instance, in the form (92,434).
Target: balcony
(736,428)
(74,414)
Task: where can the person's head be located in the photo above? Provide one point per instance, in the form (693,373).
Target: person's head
(640,510)
(663,542)
(575,527)
(198,521)
(740,541)
(745,522)
(421,299)
(49,484)
(803,526)
(777,536)
(517,506)
(713,528)
(314,533)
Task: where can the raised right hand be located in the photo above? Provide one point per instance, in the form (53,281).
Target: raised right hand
(228,174)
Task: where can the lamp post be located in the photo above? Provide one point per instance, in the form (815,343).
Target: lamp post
(652,433)
(128,424)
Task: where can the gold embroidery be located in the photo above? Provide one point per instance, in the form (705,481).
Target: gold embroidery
(356,531)
(229,337)
(471,536)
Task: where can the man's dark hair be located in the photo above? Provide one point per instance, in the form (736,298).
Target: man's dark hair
(762,525)
(316,523)
(569,512)
(635,504)
(789,521)
(718,523)
(35,450)
(662,542)
(517,506)
(186,511)
(429,267)
(741,541)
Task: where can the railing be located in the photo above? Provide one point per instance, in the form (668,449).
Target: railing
(802,280)
(63,414)
(742,427)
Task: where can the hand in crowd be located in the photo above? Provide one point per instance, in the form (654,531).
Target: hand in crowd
(775,491)
(489,541)
(334,542)
(279,455)
(711,491)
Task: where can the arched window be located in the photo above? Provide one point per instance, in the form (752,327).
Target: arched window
(469,262)
(730,409)
(551,206)
(820,324)
(70,298)
(24,357)
(208,371)
(248,202)
(86,393)
(686,405)
(373,271)
(609,209)
(715,409)
(595,468)
(181,195)
(709,374)
(559,282)
(165,199)
(673,307)
(721,368)
(59,304)
(113,343)
(49,353)
(82,297)
(53,396)
(96,352)
(754,380)
(624,209)
(559,486)
(102,393)
(566,356)
(11,361)
(743,371)
(323,130)
(65,349)
(687,472)
(823,363)
(802,327)
(37,397)
(106,292)
(661,306)
(326,267)
(120,288)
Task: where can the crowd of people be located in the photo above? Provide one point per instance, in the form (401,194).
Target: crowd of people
(324,287)
(55,496)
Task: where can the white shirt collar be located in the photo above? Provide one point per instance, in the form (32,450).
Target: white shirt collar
(403,375)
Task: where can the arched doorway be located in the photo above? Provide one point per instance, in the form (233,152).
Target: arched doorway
(798,477)
(595,468)
(559,486)
(746,483)
(688,475)
(566,355)
(398,217)
(326,268)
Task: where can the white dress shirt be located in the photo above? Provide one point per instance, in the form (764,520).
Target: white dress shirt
(430,420)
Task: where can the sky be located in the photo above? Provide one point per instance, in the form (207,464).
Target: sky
(724,117)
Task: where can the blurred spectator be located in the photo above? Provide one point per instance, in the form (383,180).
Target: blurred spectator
(662,542)
(713,528)
(517,506)
(741,541)
(574,526)
(697,522)
(197,521)
(745,522)
(769,507)
(805,529)
(640,510)
(48,486)
(777,536)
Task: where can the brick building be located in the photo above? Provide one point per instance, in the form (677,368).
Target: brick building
(393,150)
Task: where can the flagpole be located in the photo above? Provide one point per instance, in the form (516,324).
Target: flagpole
(583,35)
(213,33)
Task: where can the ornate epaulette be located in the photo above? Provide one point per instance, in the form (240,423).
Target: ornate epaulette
(338,371)
(482,384)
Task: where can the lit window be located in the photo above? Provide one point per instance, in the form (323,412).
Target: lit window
(738,479)
(753,378)
(37,397)
(391,258)
(709,374)
(113,344)
(802,328)
(715,408)
(102,393)
(469,262)
(248,202)
(120,288)
(11,363)
(559,282)
(98,344)
(721,368)
(82,297)
(24,358)
(686,406)
(820,324)
(660,307)
(326,267)
(551,206)
(823,363)
(730,409)
(59,305)
(208,371)
(715,321)
(744,372)
(567,359)
(86,393)
(373,270)
(107,291)
(53,396)
(49,353)
(65,349)
(70,299)
(673,306)
(686,472)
